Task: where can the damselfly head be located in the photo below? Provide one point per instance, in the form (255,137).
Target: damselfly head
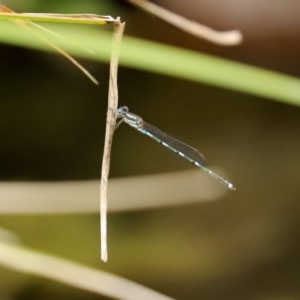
(122,111)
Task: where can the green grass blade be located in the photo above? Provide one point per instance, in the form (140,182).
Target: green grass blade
(166,60)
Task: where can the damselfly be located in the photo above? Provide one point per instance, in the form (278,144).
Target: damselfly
(187,152)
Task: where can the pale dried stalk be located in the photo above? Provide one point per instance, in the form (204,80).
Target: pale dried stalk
(24,23)
(65,54)
(226,38)
(110,128)
(78,197)
(73,274)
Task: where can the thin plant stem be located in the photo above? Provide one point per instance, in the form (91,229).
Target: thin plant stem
(21,259)
(110,128)
(78,197)
(226,38)
(8,14)
(24,19)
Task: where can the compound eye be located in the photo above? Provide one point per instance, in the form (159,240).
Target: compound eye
(125,109)
(122,111)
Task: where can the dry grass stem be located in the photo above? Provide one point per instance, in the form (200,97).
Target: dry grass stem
(73,274)
(110,128)
(24,20)
(226,38)
(150,191)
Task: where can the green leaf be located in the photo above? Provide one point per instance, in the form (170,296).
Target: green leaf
(163,59)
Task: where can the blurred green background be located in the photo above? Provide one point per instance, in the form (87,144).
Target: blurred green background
(52,122)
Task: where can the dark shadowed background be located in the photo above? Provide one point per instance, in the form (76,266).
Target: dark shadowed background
(52,121)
